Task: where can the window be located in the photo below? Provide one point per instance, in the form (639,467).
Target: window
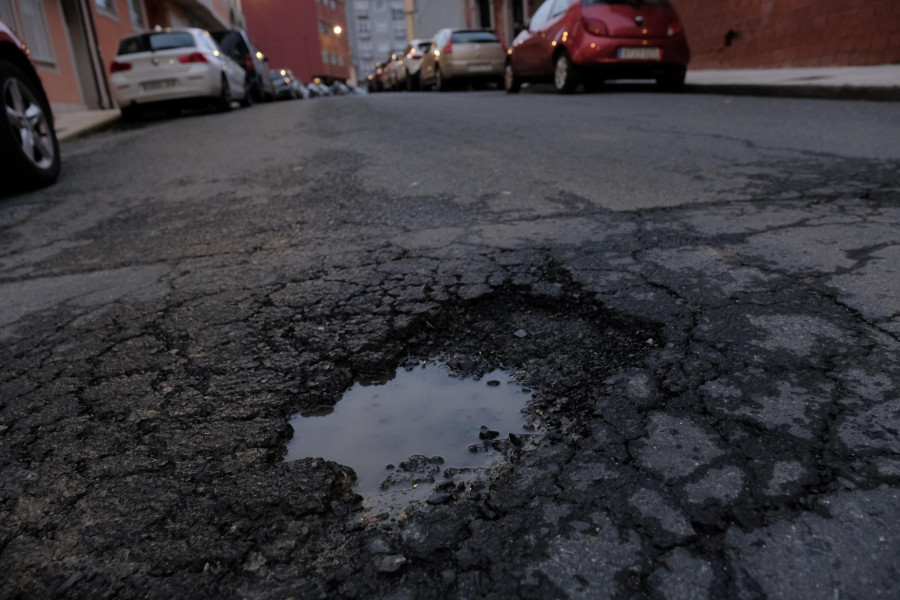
(325,56)
(560,7)
(136,12)
(362,6)
(8,16)
(34,26)
(107,6)
(540,16)
(399,29)
(379,4)
(475,37)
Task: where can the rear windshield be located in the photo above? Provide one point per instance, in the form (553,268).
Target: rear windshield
(424,46)
(635,3)
(475,37)
(156,41)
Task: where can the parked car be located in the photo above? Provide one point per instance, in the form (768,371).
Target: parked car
(29,150)
(588,41)
(413,53)
(376,79)
(236,43)
(286,85)
(174,67)
(392,67)
(340,88)
(463,55)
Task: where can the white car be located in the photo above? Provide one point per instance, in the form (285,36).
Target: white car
(175,66)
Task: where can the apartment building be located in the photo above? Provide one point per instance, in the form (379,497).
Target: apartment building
(73,41)
(377,28)
(309,37)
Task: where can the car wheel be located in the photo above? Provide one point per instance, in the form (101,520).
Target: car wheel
(673,81)
(511,83)
(224,103)
(440,83)
(29,150)
(247,100)
(565,76)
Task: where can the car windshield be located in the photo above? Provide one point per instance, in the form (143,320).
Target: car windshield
(424,46)
(475,37)
(151,42)
(631,2)
(230,40)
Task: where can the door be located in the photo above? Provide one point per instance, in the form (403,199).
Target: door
(82,59)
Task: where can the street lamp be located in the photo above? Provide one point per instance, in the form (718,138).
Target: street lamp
(337,30)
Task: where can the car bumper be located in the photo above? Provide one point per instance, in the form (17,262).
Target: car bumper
(486,68)
(203,83)
(603,54)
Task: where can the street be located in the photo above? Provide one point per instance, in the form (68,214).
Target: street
(700,293)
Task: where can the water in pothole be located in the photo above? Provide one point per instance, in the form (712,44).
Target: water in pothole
(422,426)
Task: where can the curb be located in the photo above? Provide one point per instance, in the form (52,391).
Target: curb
(824,92)
(94,127)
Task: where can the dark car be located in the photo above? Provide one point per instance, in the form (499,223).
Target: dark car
(29,150)
(589,41)
(236,44)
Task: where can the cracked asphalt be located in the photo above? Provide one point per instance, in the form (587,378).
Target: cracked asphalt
(709,288)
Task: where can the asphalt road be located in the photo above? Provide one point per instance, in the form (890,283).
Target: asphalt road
(702,293)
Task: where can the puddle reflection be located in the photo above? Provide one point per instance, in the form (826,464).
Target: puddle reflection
(420,412)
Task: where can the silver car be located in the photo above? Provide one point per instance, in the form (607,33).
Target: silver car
(463,55)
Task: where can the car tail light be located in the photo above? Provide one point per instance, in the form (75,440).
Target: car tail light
(675,28)
(595,26)
(248,63)
(448,48)
(117,67)
(193,57)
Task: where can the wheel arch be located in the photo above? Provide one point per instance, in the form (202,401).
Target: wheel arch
(12,54)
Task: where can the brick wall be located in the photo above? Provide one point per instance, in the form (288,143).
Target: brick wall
(791,33)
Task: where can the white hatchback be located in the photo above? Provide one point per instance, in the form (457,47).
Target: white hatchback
(172,67)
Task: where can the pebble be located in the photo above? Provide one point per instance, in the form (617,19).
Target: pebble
(379,546)
(520,333)
(391,564)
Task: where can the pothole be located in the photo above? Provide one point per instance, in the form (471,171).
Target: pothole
(420,428)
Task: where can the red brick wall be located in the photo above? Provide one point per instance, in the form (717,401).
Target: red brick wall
(791,33)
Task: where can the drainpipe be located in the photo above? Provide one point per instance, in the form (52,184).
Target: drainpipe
(103,91)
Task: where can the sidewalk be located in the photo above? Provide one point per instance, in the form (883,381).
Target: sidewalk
(845,83)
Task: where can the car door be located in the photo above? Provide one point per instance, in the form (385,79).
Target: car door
(526,55)
(426,71)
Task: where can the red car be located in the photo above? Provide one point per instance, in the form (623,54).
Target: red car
(588,41)
(29,151)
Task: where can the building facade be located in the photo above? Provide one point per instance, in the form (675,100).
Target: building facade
(74,41)
(309,37)
(376,29)
(739,34)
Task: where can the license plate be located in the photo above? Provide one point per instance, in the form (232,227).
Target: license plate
(158,85)
(639,53)
(479,68)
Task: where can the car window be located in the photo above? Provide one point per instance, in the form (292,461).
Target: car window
(475,37)
(559,7)
(631,2)
(424,46)
(230,41)
(540,16)
(156,41)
